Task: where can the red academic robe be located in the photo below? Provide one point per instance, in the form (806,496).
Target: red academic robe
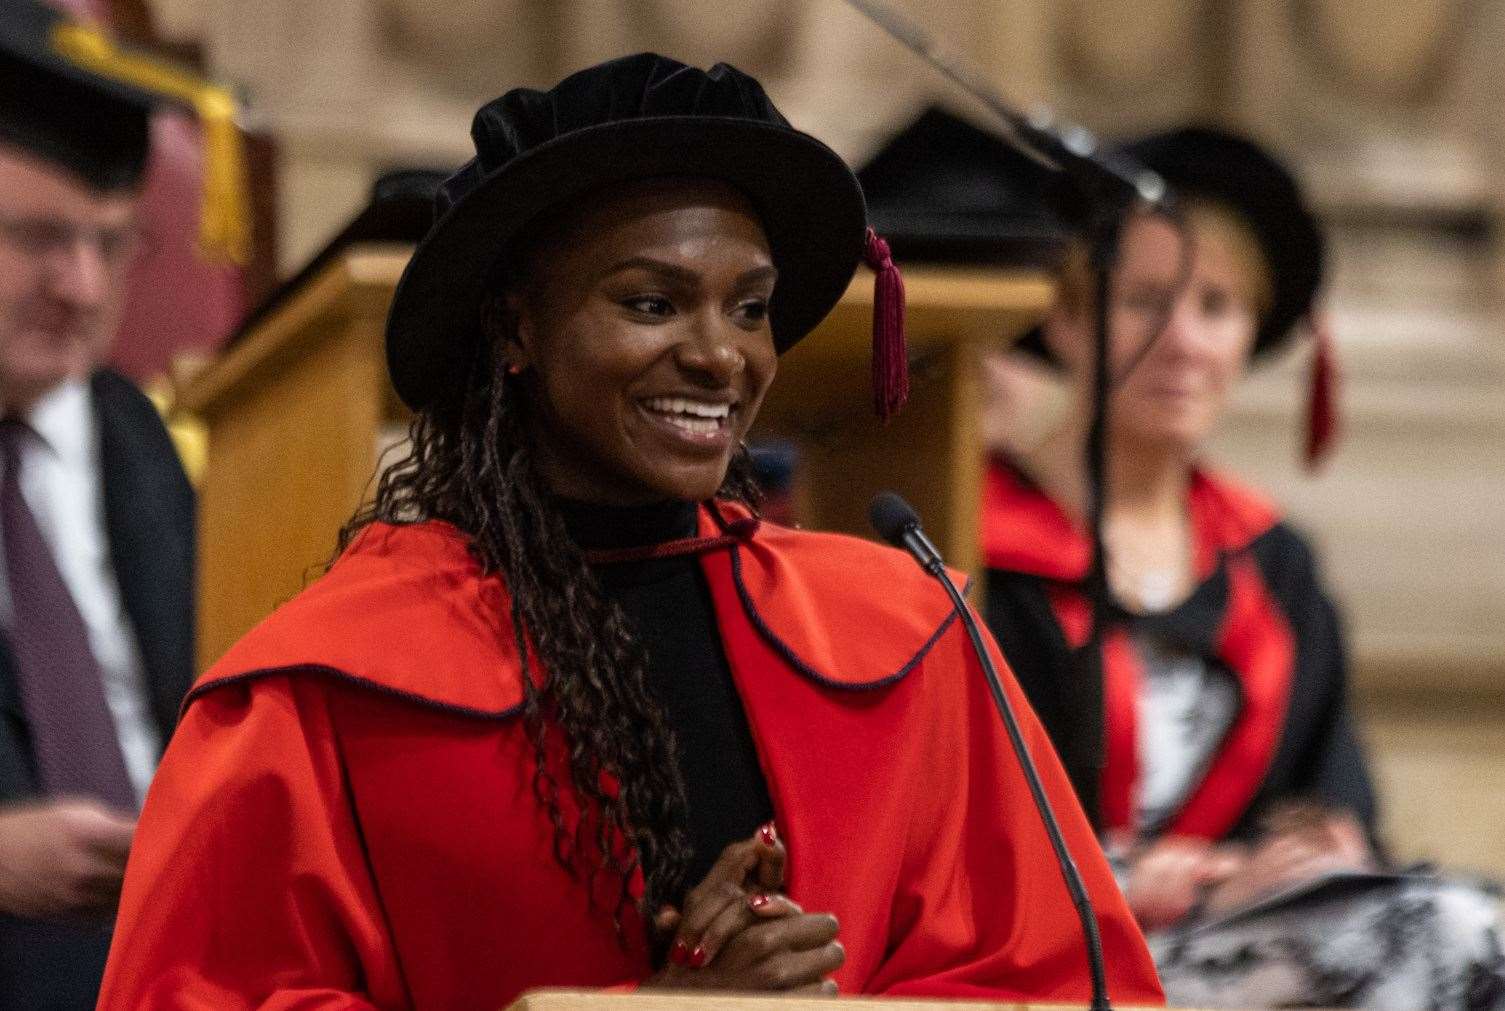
(1258,611)
(345,817)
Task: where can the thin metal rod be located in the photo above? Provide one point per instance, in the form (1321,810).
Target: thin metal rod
(1104,177)
(1069,872)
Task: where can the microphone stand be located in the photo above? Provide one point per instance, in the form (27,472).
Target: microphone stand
(899,525)
(1104,178)
(1112,186)
(1089,659)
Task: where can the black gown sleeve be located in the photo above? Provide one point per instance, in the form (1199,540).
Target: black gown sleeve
(1020,616)
(1321,757)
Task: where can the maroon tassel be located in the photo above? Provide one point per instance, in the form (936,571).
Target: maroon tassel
(1322,407)
(890,352)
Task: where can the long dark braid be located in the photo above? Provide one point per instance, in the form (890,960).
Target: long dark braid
(474,469)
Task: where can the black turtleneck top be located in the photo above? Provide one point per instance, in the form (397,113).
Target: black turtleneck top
(668,607)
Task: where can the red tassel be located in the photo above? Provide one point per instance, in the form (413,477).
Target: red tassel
(890,352)
(1322,420)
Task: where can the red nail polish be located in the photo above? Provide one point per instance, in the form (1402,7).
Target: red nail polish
(697,957)
(768,835)
(758,901)
(679,954)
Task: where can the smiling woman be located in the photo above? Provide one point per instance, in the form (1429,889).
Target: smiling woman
(565,712)
(641,331)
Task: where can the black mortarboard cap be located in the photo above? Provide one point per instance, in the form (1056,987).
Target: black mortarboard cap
(95,127)
(946,191)
(70,95)
(401,211)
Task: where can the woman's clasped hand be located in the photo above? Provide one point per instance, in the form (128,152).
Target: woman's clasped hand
(1173,875)
(739,931)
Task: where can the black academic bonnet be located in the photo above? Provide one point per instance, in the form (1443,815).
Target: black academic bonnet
(90,124)
(401,210)
(70,95)
(943,190)
(1201,162)
(1210,164)
(637,117)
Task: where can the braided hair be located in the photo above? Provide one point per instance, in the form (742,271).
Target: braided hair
(473,466)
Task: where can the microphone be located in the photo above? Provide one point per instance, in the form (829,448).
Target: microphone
(898,524)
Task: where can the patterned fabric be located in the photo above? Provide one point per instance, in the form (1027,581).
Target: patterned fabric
(1185,706)
(1392,941)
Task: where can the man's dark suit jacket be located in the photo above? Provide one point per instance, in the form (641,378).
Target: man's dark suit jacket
(149,519)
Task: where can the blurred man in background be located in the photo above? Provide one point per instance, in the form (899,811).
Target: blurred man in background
(96,521)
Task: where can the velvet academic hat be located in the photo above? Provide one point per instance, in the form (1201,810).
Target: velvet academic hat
(1239,174)
(632,118)
(70,96)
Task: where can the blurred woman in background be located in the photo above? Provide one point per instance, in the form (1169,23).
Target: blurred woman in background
(1219,753)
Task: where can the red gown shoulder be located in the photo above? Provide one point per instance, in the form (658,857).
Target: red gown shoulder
(841,610)
(397,594)
(1024,530)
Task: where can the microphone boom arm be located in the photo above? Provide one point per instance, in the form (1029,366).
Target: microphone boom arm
(1106,178)
(1069,871)
(897,523)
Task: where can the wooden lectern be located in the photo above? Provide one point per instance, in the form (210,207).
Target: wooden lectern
(587,1000)
(298,409)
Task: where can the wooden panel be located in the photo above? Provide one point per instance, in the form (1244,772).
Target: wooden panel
(1438,765)
(287,466)
(293,414)
(931,453)
(360,283)
(943,305)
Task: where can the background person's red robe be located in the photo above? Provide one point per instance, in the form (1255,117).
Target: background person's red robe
(346,815)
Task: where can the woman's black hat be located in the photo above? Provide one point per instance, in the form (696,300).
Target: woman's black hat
(637,117)
(1211,164)
(1206,163)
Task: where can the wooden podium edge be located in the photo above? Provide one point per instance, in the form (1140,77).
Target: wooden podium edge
(362,273)
(663,1000)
